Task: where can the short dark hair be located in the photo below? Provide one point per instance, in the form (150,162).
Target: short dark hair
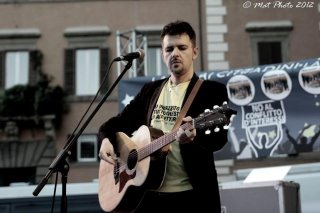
(177,28)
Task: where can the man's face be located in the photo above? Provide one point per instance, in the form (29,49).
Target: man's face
(178,53)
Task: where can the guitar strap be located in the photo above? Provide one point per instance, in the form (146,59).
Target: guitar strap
(184,110)
(187,104)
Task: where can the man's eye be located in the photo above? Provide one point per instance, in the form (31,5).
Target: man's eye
(183,48)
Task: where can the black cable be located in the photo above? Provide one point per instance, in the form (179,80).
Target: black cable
(54,192)
(90,105)
(70,138)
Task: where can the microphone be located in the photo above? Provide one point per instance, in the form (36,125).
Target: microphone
(131,56)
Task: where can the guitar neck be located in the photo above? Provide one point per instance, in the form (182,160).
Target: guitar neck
(219,116)
(160,142)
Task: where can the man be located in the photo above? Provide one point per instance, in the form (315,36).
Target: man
(190,181)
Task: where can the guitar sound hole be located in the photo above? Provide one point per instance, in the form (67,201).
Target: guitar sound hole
(132,159)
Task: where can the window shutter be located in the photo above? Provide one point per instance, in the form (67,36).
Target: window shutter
(104,64)
(35,66)
(69,71)
(2,77)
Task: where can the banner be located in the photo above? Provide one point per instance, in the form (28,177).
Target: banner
(278,108)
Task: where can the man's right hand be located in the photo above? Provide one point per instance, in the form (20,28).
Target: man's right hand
(106,152)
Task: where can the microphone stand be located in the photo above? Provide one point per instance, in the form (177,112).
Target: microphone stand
(60,163)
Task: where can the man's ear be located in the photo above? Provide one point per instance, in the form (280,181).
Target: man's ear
(195,53)
(161,51)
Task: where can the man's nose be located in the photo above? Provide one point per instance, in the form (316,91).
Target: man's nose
(175,51)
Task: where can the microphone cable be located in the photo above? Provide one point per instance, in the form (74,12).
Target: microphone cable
(71,137)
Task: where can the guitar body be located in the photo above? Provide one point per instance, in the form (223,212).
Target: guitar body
(123,185)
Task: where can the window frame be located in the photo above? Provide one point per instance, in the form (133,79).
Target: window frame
(26,72)
(91,37)
(22,39)
(282,38)
(85,138)
(152,40)
(273,31)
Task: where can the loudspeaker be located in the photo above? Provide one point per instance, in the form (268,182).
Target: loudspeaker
(263,197)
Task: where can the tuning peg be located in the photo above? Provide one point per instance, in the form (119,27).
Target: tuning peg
(217,129)
(225,127)
(224,103)
(215,107)
(232,117)
(208,132)
(207,110)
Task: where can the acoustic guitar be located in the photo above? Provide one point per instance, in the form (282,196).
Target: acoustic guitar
(137,169)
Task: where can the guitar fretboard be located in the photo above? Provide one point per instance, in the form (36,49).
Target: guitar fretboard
(160,142)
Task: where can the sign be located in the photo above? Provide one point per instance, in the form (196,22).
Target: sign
(278,108)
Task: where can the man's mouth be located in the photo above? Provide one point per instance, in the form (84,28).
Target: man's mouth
(175,62)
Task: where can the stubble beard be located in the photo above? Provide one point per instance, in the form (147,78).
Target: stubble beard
(176,69)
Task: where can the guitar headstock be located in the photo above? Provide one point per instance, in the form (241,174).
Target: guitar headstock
(219,116)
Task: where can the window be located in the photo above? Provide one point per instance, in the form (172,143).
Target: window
(16,68)
(87,148)
(155,63)
(19,60)
(269,52)
(86,61)
(269,41)
(84,71)
(148,38)
(87,67)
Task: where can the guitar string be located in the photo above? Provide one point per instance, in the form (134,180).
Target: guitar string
(163,141)
(152,147)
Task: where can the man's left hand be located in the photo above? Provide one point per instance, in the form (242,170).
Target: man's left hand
(185,135)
